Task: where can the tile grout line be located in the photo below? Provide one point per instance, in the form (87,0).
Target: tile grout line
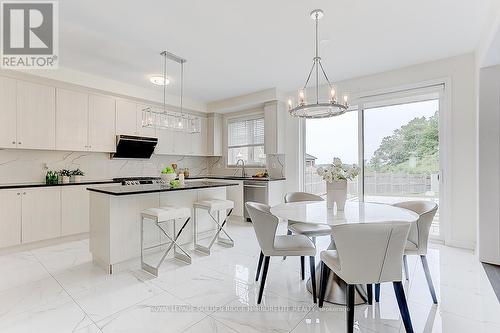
(70,296)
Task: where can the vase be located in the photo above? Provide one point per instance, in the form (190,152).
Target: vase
(75,179)
(336,193)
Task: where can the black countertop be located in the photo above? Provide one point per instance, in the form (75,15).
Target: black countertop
(154,188)
(85,182)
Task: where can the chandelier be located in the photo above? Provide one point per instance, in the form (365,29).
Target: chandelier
(164,119)
(318,109)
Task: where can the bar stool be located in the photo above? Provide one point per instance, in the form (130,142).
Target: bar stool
(160,216)
(211,206)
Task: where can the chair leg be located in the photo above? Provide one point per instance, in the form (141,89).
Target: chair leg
(405,265)
(263,280)
(325,273)
(350,308)
(312,267)
(259,265)
(302,270)
(288,232)
(377,292)
(369,292)
(429,278)
(403,307)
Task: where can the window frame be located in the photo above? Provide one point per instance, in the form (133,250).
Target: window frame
(228,146)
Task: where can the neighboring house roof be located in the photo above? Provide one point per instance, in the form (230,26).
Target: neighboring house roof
(309,157)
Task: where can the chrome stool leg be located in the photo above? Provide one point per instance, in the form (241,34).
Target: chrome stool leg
(220,228)
(184,256)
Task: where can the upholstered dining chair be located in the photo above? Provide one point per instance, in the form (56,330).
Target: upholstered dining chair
(272,245)
(306,229)
(418,239)
(367,253)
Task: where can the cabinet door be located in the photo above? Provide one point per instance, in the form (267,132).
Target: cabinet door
(74,210)
(36,116)
(41,214)
(72,109)
(183,143)
(199,140)
(8,110)
(102,124)
(143,131)
(166,142)
(126,117)
(10,217)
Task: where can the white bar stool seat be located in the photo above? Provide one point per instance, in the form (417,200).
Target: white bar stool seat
(160,216)
(213,206)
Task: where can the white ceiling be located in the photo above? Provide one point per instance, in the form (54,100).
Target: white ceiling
(236,47)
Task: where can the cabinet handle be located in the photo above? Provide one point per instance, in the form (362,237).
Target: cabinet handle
(18,193)
(24,193)
(19,143)
(13,142)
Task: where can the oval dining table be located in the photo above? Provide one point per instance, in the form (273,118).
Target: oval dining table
(316,212)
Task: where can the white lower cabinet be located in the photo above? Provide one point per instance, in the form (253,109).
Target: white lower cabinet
(10,217)
(41,213)
(74,210)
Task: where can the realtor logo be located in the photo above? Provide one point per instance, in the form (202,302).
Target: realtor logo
(29,34)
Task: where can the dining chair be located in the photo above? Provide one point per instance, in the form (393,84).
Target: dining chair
(367,253)
(418,240)
(272,245)
(306,229)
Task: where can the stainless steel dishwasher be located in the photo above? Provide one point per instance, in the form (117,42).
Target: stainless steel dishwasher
(256,191)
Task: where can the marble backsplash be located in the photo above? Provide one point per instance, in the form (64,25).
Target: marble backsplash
(22,166)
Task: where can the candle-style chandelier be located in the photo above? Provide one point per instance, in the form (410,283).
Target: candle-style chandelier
(318,109)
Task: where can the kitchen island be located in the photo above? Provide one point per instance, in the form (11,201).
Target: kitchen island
(115,218)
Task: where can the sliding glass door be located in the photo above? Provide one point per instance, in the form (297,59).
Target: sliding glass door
(326,139)
(401,153)
(396,141)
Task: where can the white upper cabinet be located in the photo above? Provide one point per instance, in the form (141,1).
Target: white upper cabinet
(274,127)
(8,113)
(199,140)
(71,120)
(36,116)
(214,134)
(101,128)
(126,117)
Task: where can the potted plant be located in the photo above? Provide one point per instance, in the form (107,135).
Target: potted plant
(168,174)
(64,175)
(76,175)
(336,176)
(51,177)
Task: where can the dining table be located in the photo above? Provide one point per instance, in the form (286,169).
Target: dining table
(354,212)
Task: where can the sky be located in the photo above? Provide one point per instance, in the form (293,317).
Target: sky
(338,136)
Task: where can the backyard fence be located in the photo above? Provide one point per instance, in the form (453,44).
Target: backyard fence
(377,183)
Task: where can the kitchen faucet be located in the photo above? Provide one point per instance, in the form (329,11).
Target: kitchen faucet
(243,173)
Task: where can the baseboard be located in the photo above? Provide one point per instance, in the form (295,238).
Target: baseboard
(43,243)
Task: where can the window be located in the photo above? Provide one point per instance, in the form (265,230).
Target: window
(246,141)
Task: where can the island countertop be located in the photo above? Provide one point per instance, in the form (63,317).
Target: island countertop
(153,188)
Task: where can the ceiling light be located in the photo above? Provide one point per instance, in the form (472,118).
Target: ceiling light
(318,109)
(159,80)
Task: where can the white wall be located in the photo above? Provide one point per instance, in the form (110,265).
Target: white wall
(489,165)
(459,71)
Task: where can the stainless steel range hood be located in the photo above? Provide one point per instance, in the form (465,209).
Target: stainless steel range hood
(129,146)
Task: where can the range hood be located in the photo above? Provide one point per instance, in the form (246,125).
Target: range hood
(129,146)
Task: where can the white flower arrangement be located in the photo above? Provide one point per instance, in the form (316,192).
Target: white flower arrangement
(338,171)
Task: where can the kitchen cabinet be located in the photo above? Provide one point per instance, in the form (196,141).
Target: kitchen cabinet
(126,117)
(143,131)
(84,122)
(274,127)
(41,213)
(8,113)
(101,124)
(10,217)
(36,116)
(214,134)
(199,140)
(74,210)
(72,110)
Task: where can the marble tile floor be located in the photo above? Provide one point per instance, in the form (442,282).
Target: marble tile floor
(58,289)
